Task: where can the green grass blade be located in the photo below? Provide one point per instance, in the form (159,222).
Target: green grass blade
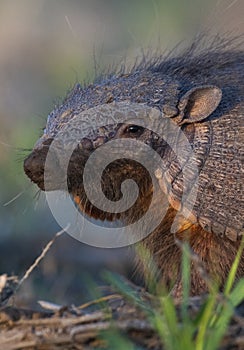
(232,274)
(186,281)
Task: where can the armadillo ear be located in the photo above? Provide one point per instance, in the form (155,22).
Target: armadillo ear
(198,103)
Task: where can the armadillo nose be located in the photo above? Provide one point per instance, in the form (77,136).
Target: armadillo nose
(35,162)
(34,169)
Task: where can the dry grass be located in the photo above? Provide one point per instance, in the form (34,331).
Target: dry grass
(120,320)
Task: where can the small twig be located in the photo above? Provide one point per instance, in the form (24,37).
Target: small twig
(64,322)
(98,301)
(125,325)
(40,257)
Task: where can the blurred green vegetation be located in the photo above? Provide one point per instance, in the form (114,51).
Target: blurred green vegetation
(174,322)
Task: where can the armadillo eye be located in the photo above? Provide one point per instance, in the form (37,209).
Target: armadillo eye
(135,129)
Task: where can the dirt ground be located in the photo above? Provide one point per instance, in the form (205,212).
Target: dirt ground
(91,325)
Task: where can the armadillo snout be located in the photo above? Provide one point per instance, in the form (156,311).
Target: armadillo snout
(34,164)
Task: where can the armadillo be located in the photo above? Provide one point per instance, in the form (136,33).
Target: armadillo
(201,92)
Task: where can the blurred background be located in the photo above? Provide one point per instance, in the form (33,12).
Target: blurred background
(45,47)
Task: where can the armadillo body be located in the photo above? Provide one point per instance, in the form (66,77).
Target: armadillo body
(201,92)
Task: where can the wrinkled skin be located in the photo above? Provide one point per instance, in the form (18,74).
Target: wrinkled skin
(202,94)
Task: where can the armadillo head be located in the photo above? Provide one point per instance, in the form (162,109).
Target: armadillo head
(172,130)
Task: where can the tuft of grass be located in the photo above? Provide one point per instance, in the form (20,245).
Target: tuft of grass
(177,326)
